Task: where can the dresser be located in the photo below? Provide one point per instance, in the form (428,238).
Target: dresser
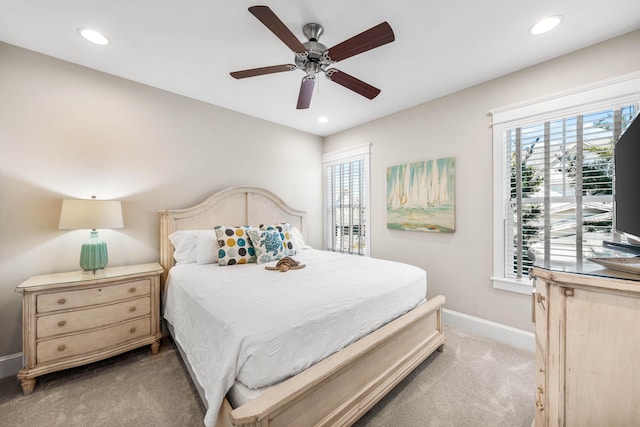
(587,329)
(70,319)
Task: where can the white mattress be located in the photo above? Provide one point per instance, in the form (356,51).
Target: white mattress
(239,394)
(260,327)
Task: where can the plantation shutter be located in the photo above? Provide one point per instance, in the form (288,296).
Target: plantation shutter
(559,186)
(346,203)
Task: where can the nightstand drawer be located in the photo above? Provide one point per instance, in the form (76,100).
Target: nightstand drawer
(79,320)
(92,296)
(74,345)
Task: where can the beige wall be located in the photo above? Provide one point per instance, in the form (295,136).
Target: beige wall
(70,132)
(67,131)
(459,265)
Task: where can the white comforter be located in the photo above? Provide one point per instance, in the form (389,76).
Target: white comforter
(262,326)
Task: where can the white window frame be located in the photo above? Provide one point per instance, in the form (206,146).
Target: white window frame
(362,152)
(600,95)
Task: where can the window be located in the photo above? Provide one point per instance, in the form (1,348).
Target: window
(560,187)
(553,176)
(347,201)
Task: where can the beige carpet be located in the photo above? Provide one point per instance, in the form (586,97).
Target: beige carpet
(474,382)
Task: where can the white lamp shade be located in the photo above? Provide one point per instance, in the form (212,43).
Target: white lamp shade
(90,214)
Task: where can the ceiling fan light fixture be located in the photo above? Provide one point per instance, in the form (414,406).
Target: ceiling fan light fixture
(545,25)
(94,36)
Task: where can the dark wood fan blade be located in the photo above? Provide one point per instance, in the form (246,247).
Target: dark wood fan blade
(277,27)
(350,82)
(374,37)
(261,71)
(306,90)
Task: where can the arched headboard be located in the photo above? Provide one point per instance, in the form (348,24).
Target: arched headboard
(231,206)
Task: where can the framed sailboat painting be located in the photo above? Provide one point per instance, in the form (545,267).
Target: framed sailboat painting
(421,196)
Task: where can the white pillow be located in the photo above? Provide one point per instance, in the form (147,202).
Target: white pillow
(206,247)
(194,246)
(298,240)
(184,246)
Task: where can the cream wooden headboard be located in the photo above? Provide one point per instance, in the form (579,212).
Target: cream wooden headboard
(232,206)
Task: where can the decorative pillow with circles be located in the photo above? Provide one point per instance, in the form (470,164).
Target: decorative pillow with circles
(234,246)
(285,234)
(268,245)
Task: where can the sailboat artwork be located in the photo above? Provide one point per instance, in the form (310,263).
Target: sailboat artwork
(421,196)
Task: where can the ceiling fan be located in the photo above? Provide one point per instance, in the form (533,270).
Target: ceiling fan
(313,57)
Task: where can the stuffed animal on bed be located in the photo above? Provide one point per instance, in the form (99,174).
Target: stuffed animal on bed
(285,264)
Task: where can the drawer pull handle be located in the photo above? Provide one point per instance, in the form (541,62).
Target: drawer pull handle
(61,347)
(540,298)
(539,404)
(132,330)
(62,323)
(62,301)
(132,290)
(132,308)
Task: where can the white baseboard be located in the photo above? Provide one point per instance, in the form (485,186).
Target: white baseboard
(518,338)
(10,365)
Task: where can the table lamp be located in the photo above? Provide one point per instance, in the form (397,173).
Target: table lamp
(91,214)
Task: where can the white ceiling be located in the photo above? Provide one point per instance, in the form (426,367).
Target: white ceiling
(189,47)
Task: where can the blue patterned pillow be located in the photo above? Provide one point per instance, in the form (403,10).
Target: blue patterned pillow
(285,234)
(234,246)
(268,245)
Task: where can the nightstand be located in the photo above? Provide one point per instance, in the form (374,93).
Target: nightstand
(71,319)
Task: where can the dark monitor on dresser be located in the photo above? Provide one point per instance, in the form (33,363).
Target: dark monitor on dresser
(627,181)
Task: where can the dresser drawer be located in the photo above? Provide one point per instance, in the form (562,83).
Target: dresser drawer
(73,345)
(541,388)
(92,296)
(540,307)
(78,320)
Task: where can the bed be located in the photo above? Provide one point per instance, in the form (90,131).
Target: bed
(341,385)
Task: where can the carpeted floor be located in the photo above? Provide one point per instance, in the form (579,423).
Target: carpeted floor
(474,382)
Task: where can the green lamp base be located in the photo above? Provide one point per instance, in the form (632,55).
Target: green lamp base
(93,255)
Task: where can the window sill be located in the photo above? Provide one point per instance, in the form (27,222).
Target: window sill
(522,286)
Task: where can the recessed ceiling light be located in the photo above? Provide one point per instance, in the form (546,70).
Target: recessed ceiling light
(323,119)
(545,24)
(93,36)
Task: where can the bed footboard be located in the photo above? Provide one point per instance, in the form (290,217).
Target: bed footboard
(341,388)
